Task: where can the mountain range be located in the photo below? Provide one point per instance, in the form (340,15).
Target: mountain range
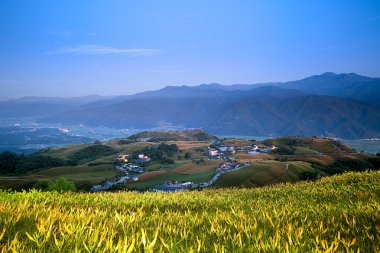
(342,105)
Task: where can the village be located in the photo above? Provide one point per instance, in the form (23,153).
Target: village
(133,167)
(130,170)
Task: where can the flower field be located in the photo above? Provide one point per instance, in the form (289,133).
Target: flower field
(336,214)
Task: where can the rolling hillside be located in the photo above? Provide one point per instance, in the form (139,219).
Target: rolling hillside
(183,156)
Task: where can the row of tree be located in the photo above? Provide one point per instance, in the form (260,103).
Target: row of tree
(11,163)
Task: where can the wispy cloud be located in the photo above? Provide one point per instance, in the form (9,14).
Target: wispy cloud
(103,50)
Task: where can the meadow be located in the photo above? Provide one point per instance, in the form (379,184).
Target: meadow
(335,214)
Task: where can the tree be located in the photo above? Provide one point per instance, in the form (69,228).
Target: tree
(167,161)
(8,162)
(284,151)
(43,185)
(187,155)
(37,161)
(62,185)
(308,175)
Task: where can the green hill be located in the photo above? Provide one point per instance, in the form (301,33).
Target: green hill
(335,214)
(188,135)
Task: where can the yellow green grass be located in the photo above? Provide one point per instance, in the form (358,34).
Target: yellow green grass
(305,151)
(335,214)
(263,173)
(81,174)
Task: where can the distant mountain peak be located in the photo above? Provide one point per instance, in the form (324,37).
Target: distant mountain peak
(210,86)
(329,74)
(333,77)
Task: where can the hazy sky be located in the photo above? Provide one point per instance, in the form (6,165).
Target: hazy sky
(72,48)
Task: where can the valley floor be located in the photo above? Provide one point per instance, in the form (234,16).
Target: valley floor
(334,214)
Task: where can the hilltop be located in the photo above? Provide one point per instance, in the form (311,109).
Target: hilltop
(188,135)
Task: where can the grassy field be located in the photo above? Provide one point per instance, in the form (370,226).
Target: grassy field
(161,178)
(191,168)
(263,173)
(336,214)
(81,174)
(305,151)
(189,144)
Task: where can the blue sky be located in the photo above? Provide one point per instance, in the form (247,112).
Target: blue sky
(74,48)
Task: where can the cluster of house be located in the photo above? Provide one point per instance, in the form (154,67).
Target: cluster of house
(225,152)
(109,183)
(124,158)
(221,152)
(248,148)
(129,168)
(254,149)
(142,158)
(224,167)
(131,171)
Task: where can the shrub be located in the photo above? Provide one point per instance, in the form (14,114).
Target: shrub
(158,152)
(167,161)
(62,185)
(125,141)
(308,175)
(43,185)
(203,136)
(284,151)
